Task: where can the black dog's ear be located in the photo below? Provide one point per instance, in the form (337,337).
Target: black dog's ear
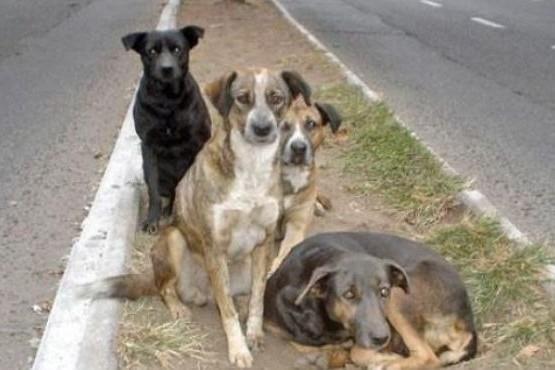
(192,34)
(219,93)
(397,276)
(135,41)
(297,85)
(318,274)
(329,114)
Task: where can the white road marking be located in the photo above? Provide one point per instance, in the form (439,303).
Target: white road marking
(485,22)
(553,47)
(431,3)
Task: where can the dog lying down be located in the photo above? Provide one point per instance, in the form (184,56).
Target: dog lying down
(402,305)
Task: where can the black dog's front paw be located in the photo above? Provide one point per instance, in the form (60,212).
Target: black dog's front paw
(150,227)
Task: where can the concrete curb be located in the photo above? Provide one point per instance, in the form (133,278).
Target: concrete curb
(474,200)
(80,333)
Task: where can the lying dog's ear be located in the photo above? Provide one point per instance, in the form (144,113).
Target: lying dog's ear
(297,85)
(329,114)
(135,41)
(219,93)
(397,276)
(192,34)
(317,275)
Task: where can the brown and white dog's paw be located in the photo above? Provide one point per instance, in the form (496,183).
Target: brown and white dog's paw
(239,355)
(255,334)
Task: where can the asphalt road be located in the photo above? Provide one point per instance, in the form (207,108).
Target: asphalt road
(475,79)
(65,83)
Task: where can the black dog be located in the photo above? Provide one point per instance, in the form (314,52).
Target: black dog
(381,291)
(171,117)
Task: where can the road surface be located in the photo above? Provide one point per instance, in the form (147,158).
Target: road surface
(65,82)
(475,79)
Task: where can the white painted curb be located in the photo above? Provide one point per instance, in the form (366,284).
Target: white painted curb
(81,334)
(474,200)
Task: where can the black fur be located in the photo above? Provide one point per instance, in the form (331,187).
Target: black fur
(329,114)
(305,318)
(170,115)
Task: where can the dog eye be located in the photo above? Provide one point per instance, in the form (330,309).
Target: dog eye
(349,294)
(176,50)
(152,51)
(243,98)
(310,124)
(384,292)
(275,99)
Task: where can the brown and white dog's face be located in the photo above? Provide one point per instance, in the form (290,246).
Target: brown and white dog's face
(355,290)
(303,131)
(255,101)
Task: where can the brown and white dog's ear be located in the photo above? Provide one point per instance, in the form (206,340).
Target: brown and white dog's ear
(313,284)
(297,86)
(135,41)
(192,34)
(219,93)
(329,114)
(397,276)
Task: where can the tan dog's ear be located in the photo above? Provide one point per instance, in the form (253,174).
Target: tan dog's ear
(329,114)
(297,85)
(317,275)
(397,275)
(219,93)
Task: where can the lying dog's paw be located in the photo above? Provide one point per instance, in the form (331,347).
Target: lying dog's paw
(240,356)
(371,359)
(315,360)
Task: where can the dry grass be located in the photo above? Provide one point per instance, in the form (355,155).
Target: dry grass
(146,339)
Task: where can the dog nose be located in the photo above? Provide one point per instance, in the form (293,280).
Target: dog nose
(298,147)
(262,129)
(167,71)
(379,341)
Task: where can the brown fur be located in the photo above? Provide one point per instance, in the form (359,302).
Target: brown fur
(402,304)
(299,204)
(227,208)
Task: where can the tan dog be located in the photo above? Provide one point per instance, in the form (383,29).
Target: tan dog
(303,130)
(226,211)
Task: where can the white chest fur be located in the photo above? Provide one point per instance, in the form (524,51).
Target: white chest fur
(296,176)
(249,209)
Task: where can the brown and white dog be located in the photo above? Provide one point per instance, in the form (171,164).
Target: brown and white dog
(303,130)
(226,210)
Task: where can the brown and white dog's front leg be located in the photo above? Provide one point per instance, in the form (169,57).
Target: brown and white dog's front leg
(238,351)
(255,333)
(296,224)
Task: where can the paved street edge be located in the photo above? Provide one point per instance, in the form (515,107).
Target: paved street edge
(474,200)
(80,333)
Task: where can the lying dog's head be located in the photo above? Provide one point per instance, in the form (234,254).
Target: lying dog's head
(165,54)
(254,102)
(355,289)
(303,131)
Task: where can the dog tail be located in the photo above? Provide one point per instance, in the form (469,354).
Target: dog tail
(130,286)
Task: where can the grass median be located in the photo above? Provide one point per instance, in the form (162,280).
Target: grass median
(504,280)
